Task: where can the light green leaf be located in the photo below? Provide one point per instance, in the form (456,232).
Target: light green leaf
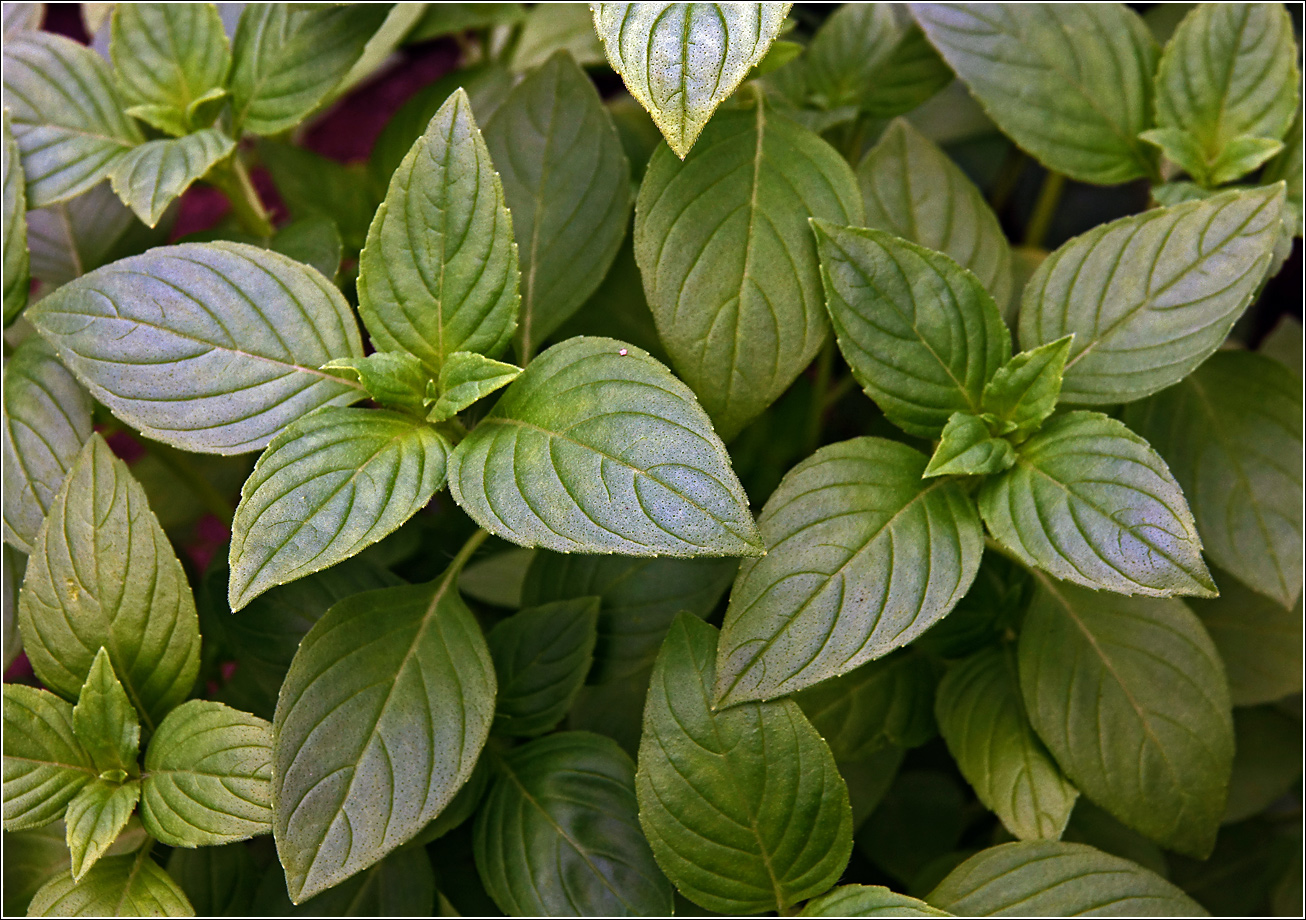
(1229,71)
(627,462)
(465,378)
(1182,149)
(383,43)
(541,656)
(1259,640)
(681,61)
(966,448)
(548,27)
(883,703)
(913,190)
(920,333)
(1090,502)
(389,699)
(1070,83)
(744,807)
(740,333)
(106,724)
(331,484)
(982,718)
(1129,696)
(1048,878)
(442,19)
(835,591)
(285,60)
(118,886)
(1024,391)
(45,765)
(1141,295)
(1238,157)
(13,224)
(1287,167)
(152,176)
(567,182)
(778,55)
(867,901)
(208,776)
(103,574)
(47,419)
(218,881)
(1169,194)
(66,115)
(559,833)
(209,347)
(392,378)
(74,237)
(638,600)
(169,55)
(1267,764)
(439,271)
(95,817)
(1242,155)
(1232,435)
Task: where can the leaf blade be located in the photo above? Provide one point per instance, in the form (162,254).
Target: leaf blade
(41,750)
(152,176)
(541,656)
(17,260)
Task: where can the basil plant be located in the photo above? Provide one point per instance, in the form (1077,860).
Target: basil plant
(636,458)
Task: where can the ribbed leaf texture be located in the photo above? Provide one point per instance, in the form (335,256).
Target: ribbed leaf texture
(152,176)
(541,656)
(13,224)
(1259,640)
(105,722)
(95,817)
(118,886)
(45,765)
(867,901)
(169,54)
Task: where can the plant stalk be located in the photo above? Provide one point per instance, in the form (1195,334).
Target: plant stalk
(1045,208)
(232,179)
(468,550)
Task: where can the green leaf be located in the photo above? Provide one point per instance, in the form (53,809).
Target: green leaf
(1091,825)
(467,377)
(541,656)
(47,419)
(118,886)
(1024,391)
(208,777)
(45,765)
(106,724)
(683,61)
(447,18)
(95,817)
(1048,878)
(285,61)
(966,448)
(920,333)
(460,809)
(331,484)
(1232,435)
(32,857)
(313,186)
(1236,159)
(496,578)
(982,718)
(559,833)
(392,378)
(401,885)
(638,600)
(314,241)
(740,333)
(439,271)
(381,45)
(1069,83)
(169,55)
(218,881)
(1267,764)
(548,27)
(914,190)
(884,703)
(1129,696)
(152,176)
(74,237)
(103,574)
(867,901)
(1229,72)
(14,225)
(744,807)
(1090,502)
(389,699)
(1141,296)
(1259,640)
(1182,149)
(871,55)
(627,462)
(567,182)
(834,590)
(1241,156)
(918,822)
(209,347)
(1287,166)
(66,116)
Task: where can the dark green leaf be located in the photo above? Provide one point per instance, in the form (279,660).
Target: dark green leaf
(744,807)
(13,224)
(627,462)
(32,858)
(1287,166)
(401,885)
(741,332)
(548,27)
(1267,764)
(1130,697)
(447,18)
(541,656)
(1150,297)
(106,724)
(1260,642)
(497,578)
(95,817)
(1089,501)
(218,881)
(314,241)
(920,332)
(918,822)
(567,183)
(467,377)
(1025,390)
(152,176)
(313,186)
(834,590)
(118,886)
(210,347)
(966,448)
(392,378)
(389,700)
(77,236)
(1092,825)
(45,765)
(103,574)
(867,901)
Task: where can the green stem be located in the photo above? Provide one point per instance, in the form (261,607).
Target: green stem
(232,179)
(469,549)
(854,137)
(840,390)
(1045,208)
(180,466)
(1005,184)
(816,414)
